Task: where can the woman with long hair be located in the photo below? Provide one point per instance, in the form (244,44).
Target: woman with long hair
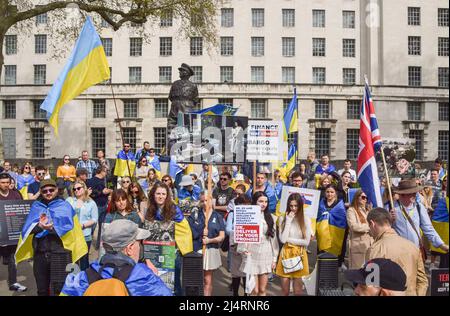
(426,198)
(139,199)
(125,184)
(262,256)
(359,237)
(24,179)
(344,187)
(121,208)
(142,173)
(167,179)
(152,178)
(166,222)
(66,171)
(87,213)
(295,234)
(325,180)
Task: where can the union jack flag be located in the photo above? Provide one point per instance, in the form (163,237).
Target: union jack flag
(369,144)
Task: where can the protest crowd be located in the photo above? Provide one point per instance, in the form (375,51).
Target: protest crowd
(97,204)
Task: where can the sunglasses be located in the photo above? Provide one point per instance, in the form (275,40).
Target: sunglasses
(126,146)
(224,179)
(41,173)
(48,191)
(363,197)
(165,180)
(125,181)
(144,161)
(77,189)
(66,159)
(26,168)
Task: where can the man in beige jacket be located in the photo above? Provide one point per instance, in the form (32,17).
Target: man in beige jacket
(388,244)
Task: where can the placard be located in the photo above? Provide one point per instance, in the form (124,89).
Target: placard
(162,254)
(439,282)
(265,141)
(12,217)
(311,200)
(247,224)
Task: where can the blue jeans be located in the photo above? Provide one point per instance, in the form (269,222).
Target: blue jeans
(178,262)
(84,261)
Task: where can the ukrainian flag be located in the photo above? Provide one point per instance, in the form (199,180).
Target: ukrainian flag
(290,164)
(66,226)
(290,118)
(218,109)
(87,66)
(440,222)
(23,183)
(121,167)
(155,164)
(331,226)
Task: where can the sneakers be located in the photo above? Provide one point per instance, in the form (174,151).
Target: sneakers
(17,287)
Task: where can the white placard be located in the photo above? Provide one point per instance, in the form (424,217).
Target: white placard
(310,197)
(247,224)
(264,141)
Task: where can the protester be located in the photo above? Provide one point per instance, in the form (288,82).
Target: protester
(189,191)
(142,173)
(139,200)
(33,189)
(222,194)
(125,163)
(344,187)
(154,162)
(167,180)
(278,183)
(359,237)
(66,171)
(311,167)
(24,180)
(7,169)
(435,183)
(388,244)
(144,152)
(121,208)
(196,180)
(438,165)
(240,179)
(262,185)
(125,183)
(122,240)
(210,236)
(296,179)
(260,259)
(391,280)
(426,198)
(7,252)
(152,178)
(325,181)
(57,239)
(103,162)
(295,234)
(87,213)
(86,163)
(325,166)
(204,175)
(348,168)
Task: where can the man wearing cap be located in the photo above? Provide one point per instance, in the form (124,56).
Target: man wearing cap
(122,240)
(388,244)
(189,191)
(407,209)
(378,277)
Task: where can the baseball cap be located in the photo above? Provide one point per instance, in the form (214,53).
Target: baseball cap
(46,183)
(392,277)
(122,232)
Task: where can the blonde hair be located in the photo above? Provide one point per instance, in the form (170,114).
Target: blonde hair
(86,196)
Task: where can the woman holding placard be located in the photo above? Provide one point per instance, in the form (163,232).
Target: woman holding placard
(260,259)
(295,233)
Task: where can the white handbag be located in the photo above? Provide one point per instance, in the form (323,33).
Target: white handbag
(292,264)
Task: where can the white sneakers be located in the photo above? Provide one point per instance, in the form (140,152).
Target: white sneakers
(17,287)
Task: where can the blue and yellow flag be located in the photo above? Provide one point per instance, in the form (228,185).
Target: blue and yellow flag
(87,66)
(440,222)
(66,226)
(331,226)
(23,183)
(290,164)
(290,118)
(218,109)
(123,162)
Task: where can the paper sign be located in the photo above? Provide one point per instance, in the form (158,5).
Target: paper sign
(247,224)
(265,141)
(311,200)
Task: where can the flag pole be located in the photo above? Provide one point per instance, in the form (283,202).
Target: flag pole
(388,181)
(120,127)
(254,176)
(208,200)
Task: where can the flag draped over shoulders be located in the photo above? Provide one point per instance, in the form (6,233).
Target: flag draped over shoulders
(331,226)
(440,222)
(123,161)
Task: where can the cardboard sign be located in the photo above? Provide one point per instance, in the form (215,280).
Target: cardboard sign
(311,200)
(265,141)
(162,254)
(247,224)
(12,217)
(439,282)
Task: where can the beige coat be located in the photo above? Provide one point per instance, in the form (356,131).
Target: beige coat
(359,239)
(403,252)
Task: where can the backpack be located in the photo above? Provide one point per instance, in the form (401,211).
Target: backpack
(114,286)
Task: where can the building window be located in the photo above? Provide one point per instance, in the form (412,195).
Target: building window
(98,137)
(130,108)
(353,110)
(10,74)
(165,46)
(443,46)
(288,74)
(413,16)
(129,137)
(135,74)
(107,46)
(227,17)
(40,74)
(417,135)
(322,108)
(288,46)
(161,108)
(198,74)
(348,47)
(414,76)
(37,143)
(226,45)
(257,46)
(135,46)
(415,111)
(165,74)
(348,19)
(322,141)
(166,19)
(38,113)
(443,145)
(414,45)
(9,109)
(443,77)
(257,17)
(10,44)
(288,17)
(319,47)
(41,18)
(160,139)
(257,74)
(443,111)
(226,101)
(99,108)
(40,44)
(443,17)
(226,74)
(196,46)
(352,143)
(318,18)
(349,76)
(258,108)
(319,75)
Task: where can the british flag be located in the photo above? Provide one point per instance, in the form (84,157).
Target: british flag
(369,144)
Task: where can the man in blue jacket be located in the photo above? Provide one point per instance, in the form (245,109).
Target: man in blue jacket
(122,241)
(263,185)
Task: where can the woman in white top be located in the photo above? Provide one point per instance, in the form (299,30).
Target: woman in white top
(295,233)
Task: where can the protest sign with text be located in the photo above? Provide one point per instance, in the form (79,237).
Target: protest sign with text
(12,217)
(265,141)
(247,224)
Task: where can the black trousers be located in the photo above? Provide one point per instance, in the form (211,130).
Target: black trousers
(50,272)
(7,253)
